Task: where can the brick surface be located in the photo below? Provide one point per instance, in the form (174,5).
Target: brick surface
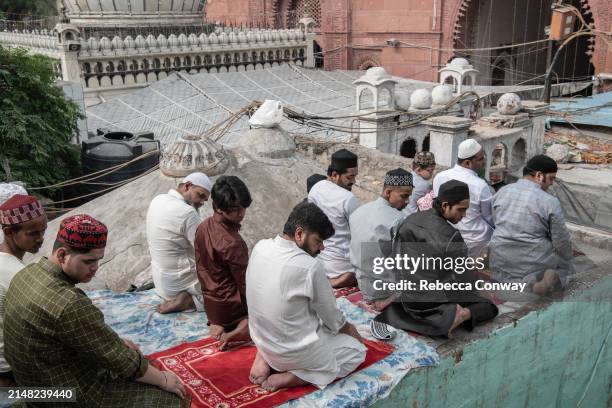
(367,24)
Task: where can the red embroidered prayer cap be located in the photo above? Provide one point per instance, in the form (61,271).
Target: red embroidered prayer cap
(82,231)
(19,209)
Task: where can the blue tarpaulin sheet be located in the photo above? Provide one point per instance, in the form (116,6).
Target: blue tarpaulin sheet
(595,110)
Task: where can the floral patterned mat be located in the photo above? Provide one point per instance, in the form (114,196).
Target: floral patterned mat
(126,313)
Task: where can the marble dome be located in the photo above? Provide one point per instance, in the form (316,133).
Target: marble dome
(135,12)
(194,153)
(442,94)
(421,99)
(460,62)
(509,104)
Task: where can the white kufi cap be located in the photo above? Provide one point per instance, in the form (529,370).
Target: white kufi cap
(199,179)
(468,148)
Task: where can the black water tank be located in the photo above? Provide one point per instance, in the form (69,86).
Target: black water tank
(110,149)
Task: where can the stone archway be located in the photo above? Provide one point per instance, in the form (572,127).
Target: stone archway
(289,12)
(408,148)
(425,146)
(366,99)
(518,156)
(472,25)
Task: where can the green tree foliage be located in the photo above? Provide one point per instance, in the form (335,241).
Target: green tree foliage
(37,122)
(29,7)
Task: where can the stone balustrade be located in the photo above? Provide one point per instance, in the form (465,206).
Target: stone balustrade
(182,43)
(123,62)
(40,41)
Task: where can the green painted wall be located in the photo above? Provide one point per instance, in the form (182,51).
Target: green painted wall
(545,360)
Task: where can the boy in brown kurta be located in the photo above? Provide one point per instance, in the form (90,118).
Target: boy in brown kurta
(222,257)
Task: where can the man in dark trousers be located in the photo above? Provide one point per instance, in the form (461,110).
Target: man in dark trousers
(431,236)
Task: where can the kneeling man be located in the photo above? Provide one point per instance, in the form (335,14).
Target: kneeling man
(371,233)
(431,236)
(172,221)
(221,261)
(531,243)
(293,317)
(55,337)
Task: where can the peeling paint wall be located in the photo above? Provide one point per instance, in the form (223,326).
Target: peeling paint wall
(545,360)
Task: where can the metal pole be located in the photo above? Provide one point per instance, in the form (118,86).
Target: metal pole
(546,92)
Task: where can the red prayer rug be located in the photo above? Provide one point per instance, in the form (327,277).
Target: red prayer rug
(343,292)
(220,379)
(358,300)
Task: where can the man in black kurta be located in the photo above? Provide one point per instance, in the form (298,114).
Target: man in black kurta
(429,234)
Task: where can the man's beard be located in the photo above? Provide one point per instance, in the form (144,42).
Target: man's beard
(303,248)
(348,187)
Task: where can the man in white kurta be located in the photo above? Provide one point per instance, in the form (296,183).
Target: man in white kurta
(24,222)
(172,221)
(334,197)
(477,226)
(371,234)
(293,317)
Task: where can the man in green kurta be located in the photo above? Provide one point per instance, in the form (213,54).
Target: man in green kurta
(56,337)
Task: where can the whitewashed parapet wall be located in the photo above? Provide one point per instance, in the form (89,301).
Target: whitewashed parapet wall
(124,61)
(120,63)
(40,42)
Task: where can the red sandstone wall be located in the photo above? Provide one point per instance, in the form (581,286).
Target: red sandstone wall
(256,12)
(602,14)
(365,25)
(228,11)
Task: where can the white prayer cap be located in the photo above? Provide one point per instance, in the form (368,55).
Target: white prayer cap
(199,179)
(7,190)
(468,148)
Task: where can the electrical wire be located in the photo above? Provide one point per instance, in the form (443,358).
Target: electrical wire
(95,175)
(120,184)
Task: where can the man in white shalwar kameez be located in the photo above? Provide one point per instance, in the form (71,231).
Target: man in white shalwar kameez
(334,197)
(371,234)
(172,221)
(477,226)
(293,317)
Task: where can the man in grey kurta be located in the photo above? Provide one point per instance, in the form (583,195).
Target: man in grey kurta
(371,233)
(531,243)
(423,166)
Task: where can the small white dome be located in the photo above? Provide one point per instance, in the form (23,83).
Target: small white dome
(509,104)
(402,99)
(193,153)
(461,62)
(421,99)
(376,72)
(441,95)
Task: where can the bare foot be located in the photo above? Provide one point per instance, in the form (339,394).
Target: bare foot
(461,315)
(548,282)
(380,305)
(240,333)
(183,301)
(282,380)
(216,331)
(345,280)
(260,370)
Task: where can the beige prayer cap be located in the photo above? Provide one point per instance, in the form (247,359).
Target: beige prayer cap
(468,148)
